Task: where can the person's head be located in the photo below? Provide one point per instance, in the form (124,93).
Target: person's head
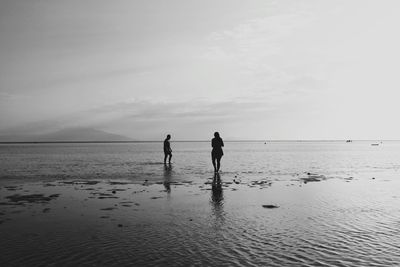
(168,136)
(216,134)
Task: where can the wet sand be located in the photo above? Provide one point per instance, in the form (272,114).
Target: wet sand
(309,220)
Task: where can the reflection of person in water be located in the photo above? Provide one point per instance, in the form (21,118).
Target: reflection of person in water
(167,177)
(217,153)
(167,149)
(217,198)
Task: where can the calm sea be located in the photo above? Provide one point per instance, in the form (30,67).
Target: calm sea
(191,160)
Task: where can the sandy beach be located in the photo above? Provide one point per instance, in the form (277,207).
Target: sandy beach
(308,221)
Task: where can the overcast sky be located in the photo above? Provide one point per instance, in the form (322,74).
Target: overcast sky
(287,69)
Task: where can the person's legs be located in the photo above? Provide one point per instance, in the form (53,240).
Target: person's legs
(165,157)
(170,156)
(213,162)
(218,163)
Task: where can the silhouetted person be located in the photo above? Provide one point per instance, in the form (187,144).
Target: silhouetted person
(217,153)
(167,149)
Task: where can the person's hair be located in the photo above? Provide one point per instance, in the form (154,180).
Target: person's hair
(168,136)
(216,134)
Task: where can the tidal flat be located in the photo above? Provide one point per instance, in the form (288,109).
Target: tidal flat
(227,221)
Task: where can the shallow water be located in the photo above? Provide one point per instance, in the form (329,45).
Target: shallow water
(191,160)
(328,223)
(346,213)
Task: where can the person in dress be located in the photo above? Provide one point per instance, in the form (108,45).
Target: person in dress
(217,152)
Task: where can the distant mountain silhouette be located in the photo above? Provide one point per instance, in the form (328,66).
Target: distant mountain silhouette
(68,135)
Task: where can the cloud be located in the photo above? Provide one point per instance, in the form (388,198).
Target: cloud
(264,57)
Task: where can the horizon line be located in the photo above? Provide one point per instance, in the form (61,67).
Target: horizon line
(199,141)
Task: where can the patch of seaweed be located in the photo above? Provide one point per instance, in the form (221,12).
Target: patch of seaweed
(312,177)
(262,183)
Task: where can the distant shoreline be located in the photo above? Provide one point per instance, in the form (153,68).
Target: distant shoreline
(188,141)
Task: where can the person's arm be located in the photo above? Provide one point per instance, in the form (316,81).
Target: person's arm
(222,142)
(169,147)
(212,142)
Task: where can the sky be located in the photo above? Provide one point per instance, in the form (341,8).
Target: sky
(257,69)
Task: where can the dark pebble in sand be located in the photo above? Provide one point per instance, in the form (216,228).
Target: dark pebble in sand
(120,225)
(126,205)
(46,210)
(155,197)
(270,206)
(114,191)
(104,217)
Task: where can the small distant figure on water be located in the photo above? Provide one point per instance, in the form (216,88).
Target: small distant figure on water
(167,150)
(217,153)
